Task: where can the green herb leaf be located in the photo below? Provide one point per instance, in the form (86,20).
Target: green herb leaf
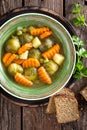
(77,8)
(79,71)
(84,71)
(77,41)
(79,19)
(77,75)
(82,53)
(79,65)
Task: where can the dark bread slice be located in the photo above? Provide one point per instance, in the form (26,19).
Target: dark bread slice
(51,109)
(84,93)
(51,105)
(66,108)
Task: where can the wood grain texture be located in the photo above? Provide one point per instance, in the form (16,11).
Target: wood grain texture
(81,124)
(7,5)
(37,119)
(10,116)
(55,5)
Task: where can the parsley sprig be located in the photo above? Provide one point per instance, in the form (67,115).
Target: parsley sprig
(79,18)
(80,70)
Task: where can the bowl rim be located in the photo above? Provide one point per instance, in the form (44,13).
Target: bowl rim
(41,98)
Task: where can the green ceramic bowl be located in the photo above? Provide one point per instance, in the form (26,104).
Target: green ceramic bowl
(43,91)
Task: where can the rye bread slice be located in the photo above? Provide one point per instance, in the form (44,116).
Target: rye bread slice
(84,93)
(66,108)
(51,109)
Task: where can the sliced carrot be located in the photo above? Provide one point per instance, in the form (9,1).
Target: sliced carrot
(51,52)
(43,75)
(11,58)
(31,62)
(19,61)
(19,78)
(45,34)
(25,47)
(38,31)
(6,57)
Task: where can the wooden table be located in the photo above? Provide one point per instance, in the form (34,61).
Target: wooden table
(14,117)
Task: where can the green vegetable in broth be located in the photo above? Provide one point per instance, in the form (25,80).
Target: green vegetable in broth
(12,45)
(51,67)
(47,43)
(13,68)
(31,73)
(34,53)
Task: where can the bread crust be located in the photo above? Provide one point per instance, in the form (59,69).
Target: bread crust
(66,108)
(51,109)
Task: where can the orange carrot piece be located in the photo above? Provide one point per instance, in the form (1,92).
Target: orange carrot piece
(19,61)
(6,57)
(45,34)
(25,47)
(38,31)
(43,75)
(51,52)
(19,78)
(31,62)
(11,58)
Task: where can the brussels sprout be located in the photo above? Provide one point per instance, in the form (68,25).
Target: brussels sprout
(47,43)
(51,67)
(13,68)
(31,73)
(34,53)
(25,37)
(12,45)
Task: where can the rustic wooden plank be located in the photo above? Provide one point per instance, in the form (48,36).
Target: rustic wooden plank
(81,124)
(55,5)
(31,2)
(37,119)
(10,115)
(7,5)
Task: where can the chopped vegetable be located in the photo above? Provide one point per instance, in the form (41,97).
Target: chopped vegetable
(45,34)
(43,75)
(24,48)
(24,55)
(58,58)
(31,62)
(36,42)
(38,31)
(13,68)
(19,61)
(51,52)
(51,67)
(19,78)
